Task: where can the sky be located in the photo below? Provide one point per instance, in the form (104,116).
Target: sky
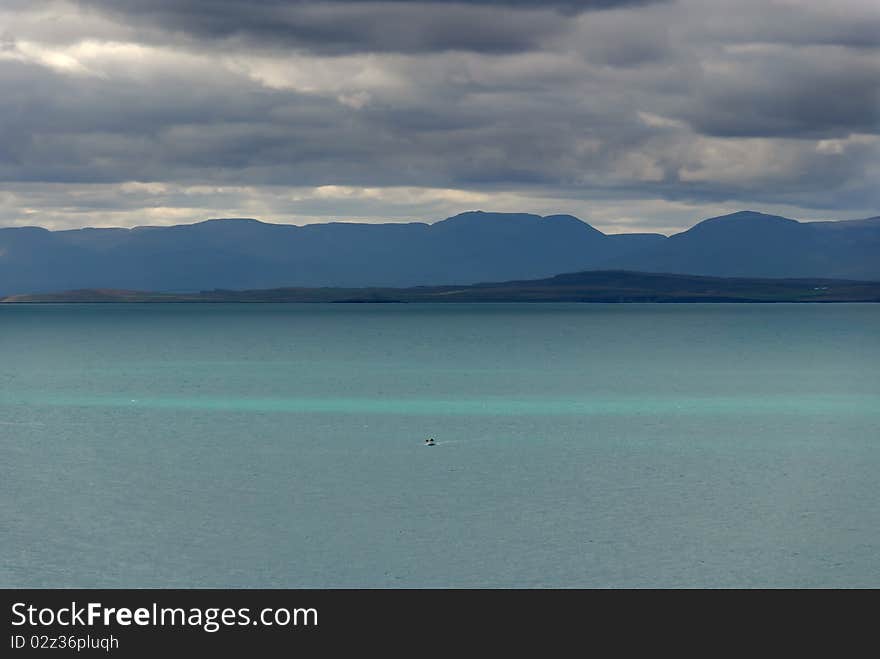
(634,115)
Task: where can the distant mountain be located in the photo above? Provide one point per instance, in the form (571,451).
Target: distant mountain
(464,249)
(594,286)
(245,253)
(750,244)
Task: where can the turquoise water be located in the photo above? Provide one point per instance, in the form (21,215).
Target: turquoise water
(577,445)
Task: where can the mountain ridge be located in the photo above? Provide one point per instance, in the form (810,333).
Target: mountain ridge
(247,253)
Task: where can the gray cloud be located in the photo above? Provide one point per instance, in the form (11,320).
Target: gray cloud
(673,104)
(789,93)
(851,23)
(358,26)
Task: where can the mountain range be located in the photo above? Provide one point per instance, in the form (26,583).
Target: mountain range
(468,248)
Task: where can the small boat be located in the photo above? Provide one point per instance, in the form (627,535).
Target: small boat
(430,442)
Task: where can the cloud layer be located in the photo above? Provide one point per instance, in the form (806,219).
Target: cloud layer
(635,115)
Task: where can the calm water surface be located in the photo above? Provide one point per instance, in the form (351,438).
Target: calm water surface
(577,445)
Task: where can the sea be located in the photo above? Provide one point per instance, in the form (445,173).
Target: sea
(576,445)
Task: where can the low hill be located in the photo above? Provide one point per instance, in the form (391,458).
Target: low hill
(601,286)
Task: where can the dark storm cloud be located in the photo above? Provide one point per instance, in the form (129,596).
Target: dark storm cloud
(89,130)
(352,26)
(829,23)
(786,94)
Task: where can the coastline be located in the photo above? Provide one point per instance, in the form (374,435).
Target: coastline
(622,287)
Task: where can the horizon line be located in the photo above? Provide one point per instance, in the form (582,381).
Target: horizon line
(422,222)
